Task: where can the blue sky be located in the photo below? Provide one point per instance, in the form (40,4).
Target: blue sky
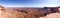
(30,3)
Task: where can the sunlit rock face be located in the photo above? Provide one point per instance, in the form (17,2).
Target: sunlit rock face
(1,12)
(9,13)
(59,9)
(26,13)
(52,15)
